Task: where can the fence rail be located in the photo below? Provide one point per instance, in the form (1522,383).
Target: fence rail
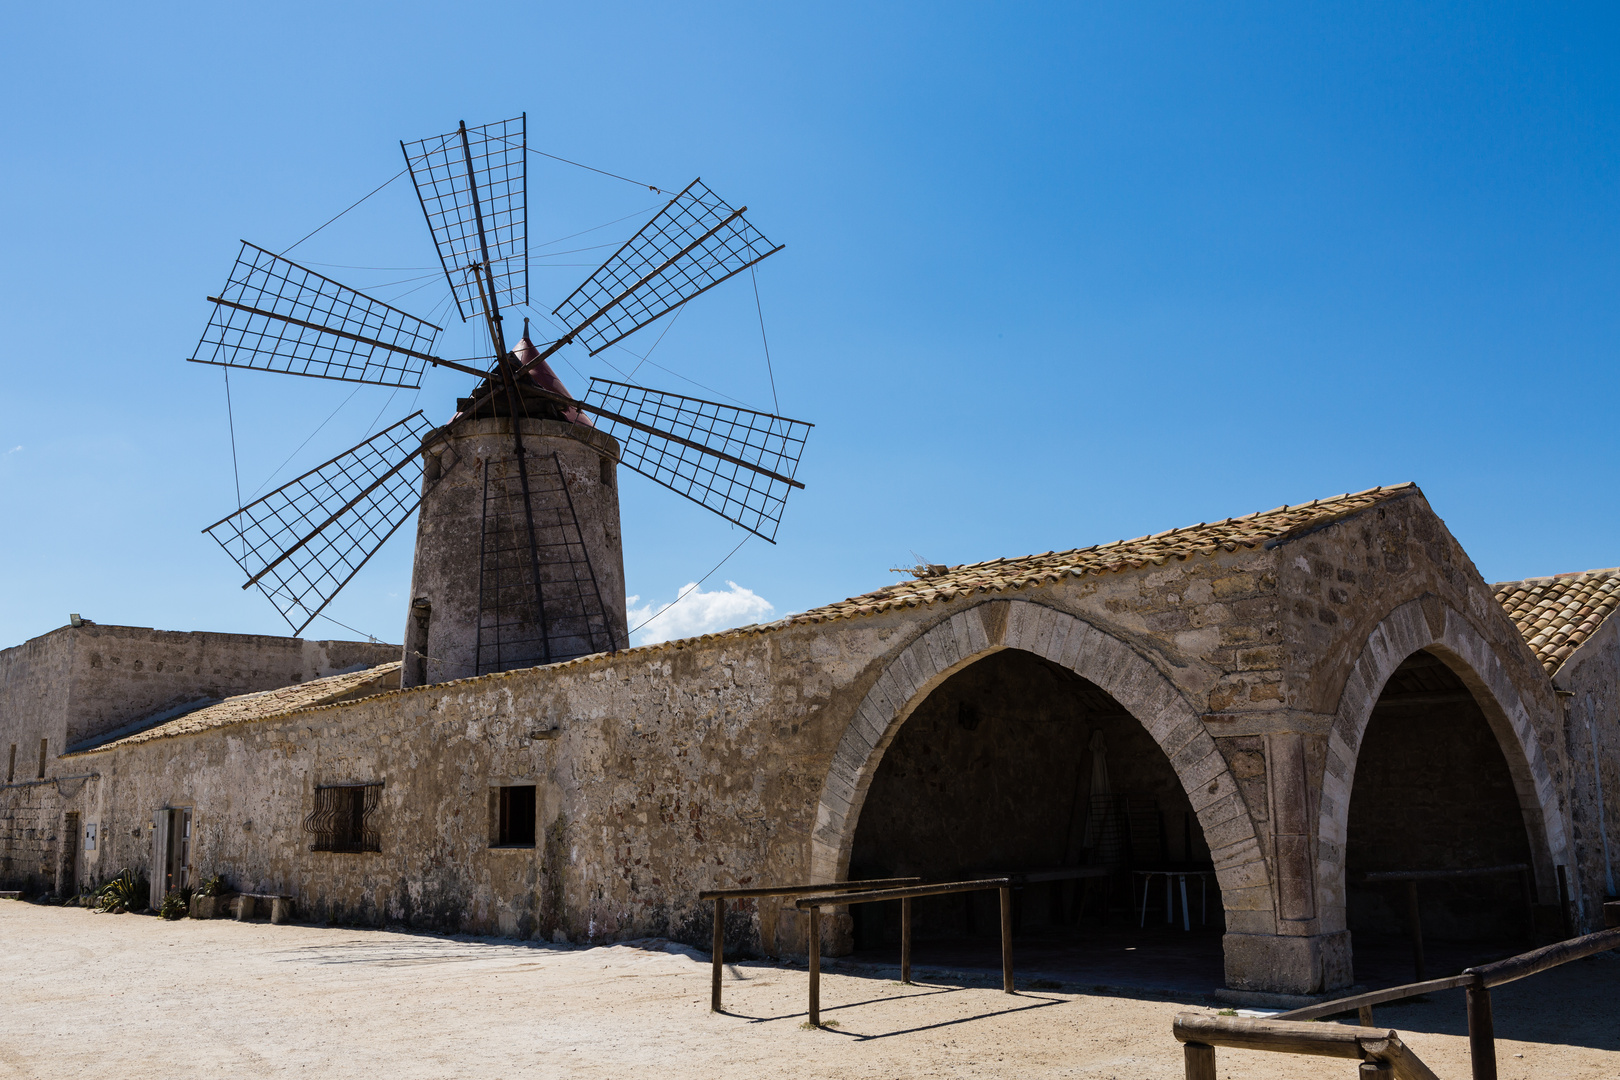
(720,896)
(1380,1050)
(1199,1033)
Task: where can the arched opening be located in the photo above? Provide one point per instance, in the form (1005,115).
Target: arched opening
(1434,816)
(1018,764)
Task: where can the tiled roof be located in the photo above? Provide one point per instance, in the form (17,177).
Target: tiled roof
(269,703)
(1205,538)
(1557,614)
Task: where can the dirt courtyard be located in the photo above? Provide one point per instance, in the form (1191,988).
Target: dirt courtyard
(220,998)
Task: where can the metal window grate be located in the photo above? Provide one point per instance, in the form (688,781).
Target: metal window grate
(302,542)
(742,494)
(453,202)
(521,622)
(695,242)
(274,315)
(345,818)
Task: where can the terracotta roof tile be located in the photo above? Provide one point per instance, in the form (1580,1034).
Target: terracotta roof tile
(1205,538)
(1557,614)
(266,704)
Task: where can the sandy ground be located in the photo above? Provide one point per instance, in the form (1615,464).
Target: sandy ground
(219,998)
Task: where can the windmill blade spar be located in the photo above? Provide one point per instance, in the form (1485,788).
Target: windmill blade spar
(303,542)
(693,244)
(275,315)
(492,197)
(737,462)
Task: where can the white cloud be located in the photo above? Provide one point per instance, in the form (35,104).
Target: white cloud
(699,612)
(13,450)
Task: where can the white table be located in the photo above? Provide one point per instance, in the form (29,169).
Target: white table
(1203,877)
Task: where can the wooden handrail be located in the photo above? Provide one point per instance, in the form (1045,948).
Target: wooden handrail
(1550,956)
(906,893)
(720,896)
(1200,1032)
(800,890)
(1378,876)
(1375,997)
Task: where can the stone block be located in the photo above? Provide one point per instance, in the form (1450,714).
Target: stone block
(1279,964)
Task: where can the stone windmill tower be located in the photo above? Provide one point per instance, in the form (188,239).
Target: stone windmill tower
(518,557)
(486,614)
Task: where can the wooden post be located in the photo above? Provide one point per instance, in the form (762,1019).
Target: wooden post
(815,967)
(1564,914)
(905,940)
(1529,904)
(1200,1060)
(1376,1070)
(1414,919)
(719,953)
(1481,1032)
(1364,1016)
(1006,941)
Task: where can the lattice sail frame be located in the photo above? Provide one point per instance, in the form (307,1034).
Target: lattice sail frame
(302,543)
(522,623)
(693,244)
(452,204)
(275,315)
(743,496)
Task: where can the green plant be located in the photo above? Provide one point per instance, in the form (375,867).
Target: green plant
(214,886)
(175,905)
(127,891)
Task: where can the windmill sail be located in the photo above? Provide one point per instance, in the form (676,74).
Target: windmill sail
(737,462)
(302,543)
(275,315)
(473,186)
(693,244)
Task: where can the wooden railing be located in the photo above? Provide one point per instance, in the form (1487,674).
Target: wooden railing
(1002,883)
(1381,1052)
(1287,1033)
(720,896)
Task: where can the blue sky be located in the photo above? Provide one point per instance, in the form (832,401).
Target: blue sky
(1055,274)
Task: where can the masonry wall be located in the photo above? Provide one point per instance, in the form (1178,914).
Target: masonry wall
(715,762)
(77,683)
(1590,679)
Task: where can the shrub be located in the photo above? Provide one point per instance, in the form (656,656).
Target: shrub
(214,886)
(175,905)
(127,891)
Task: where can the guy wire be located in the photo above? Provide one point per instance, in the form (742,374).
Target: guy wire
(694,586)
(351,206)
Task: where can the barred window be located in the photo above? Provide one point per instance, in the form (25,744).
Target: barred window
(345,818)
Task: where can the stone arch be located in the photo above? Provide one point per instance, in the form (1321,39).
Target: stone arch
(970,635)
(1429,623)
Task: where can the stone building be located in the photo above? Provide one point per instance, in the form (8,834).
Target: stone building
(1298,696)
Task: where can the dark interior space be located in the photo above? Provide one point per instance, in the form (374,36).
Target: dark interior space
(1017,764)
(1432,792)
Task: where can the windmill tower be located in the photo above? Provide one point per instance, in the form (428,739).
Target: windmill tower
(518,559)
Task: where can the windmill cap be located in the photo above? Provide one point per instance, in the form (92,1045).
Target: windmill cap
(546,379)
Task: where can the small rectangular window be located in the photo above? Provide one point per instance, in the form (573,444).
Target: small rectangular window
(516,825)
(345,818)
(43,744)
(11,768)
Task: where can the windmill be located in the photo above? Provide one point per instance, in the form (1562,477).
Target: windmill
(518,557)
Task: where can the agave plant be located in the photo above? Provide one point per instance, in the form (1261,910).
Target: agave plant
(175,905)
(125,892)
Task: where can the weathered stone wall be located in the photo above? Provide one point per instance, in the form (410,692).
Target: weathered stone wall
(748,756)
(76,683)
(1589,682)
